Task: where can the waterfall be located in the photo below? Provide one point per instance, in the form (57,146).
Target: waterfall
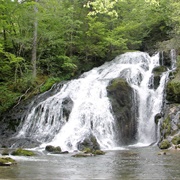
(173,59)
(90,111)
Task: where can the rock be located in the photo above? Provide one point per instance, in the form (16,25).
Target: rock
(165,144)
(7,161)
(157,72)
(83,155)
(10,121)
(165,58)
(53,149)
(157,117)
(162,153)
(67,106)
(170,126)
(5,152)
(98,152)
(58,152)
(22,152)
(88,142)
(121,97)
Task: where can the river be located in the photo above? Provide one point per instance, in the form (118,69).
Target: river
(127,163)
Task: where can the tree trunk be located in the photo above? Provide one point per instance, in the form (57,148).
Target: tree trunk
(34,44)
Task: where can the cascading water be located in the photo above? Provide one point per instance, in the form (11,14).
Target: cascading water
(91,111)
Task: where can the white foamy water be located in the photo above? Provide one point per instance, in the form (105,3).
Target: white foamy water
(91,111)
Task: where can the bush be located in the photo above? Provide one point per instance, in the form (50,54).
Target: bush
(165,144)
(48,84)
(176,140)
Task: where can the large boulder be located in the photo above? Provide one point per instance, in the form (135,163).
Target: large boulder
(89,142)
(121,98)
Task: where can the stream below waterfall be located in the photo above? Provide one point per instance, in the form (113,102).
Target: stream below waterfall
(128,163)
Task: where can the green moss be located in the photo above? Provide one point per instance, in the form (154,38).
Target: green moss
(176,140)
(116,82)
(159,70)
(166,127)
(22,152)
(165,144)
(82,155)
(87,150)
(7,161)
(98,152)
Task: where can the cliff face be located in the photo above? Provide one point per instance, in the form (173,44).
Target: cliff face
(170,123)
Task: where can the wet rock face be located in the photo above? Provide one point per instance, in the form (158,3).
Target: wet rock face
(10,121)
(121,98)
(165,58)
(170,126)
(157,72)
(67,106)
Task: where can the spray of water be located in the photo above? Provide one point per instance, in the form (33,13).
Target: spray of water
(91,109)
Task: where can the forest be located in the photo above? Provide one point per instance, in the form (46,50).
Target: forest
(47,41)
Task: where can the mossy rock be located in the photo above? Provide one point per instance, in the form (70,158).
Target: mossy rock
(176,140)
(166,127)
(121,97)
(95,152)
(53,149)
(83,155)
(165,144)
(5,152)
(7,161)
(159,70)
(98,152)
(87,150)
(89,144)
(22,152)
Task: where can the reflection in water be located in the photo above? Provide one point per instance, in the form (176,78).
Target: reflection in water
(135,163)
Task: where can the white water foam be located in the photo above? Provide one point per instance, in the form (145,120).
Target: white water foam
(91,112)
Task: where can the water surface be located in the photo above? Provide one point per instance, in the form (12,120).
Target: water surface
(131,163)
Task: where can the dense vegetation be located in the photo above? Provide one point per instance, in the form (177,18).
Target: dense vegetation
(45,41)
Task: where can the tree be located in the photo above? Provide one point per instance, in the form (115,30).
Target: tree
(34,44)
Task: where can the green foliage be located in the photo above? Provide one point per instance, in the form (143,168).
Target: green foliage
(48,84)
(176,140)
(165,144)
(7,97)
(173,92)
(74,36)
(166,127)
